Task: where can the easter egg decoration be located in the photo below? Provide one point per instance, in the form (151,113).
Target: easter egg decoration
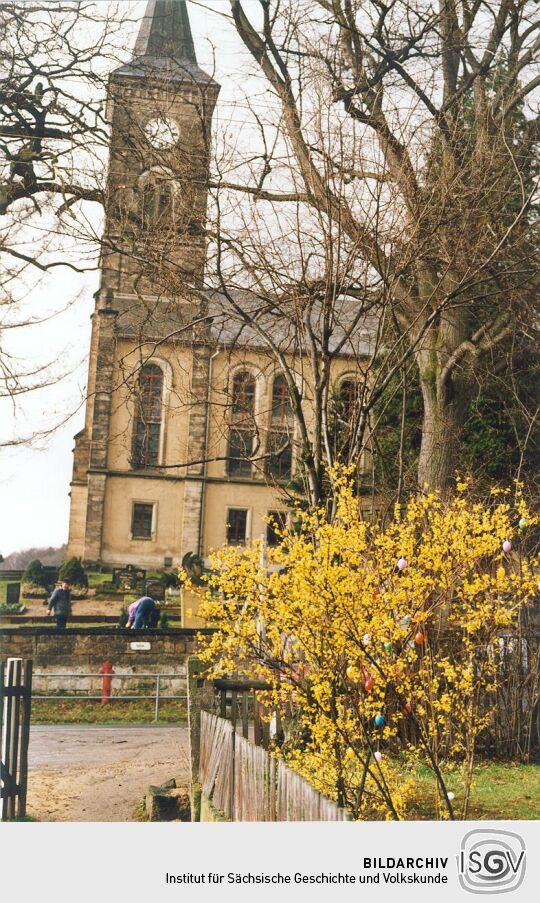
(388,646)
(522,523)
(379,721)
(402,564)
(366,639)
(406,620)
(351,672)
(378,757)
(368,683)
(507,546)
(419,638)
(450,795)
(407,708)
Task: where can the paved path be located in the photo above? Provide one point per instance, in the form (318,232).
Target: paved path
(86,773)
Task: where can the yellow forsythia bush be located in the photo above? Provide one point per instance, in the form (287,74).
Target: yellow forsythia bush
(381,643)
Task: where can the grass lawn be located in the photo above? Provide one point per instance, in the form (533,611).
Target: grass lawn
(500,790)
(95,579)
(75,711)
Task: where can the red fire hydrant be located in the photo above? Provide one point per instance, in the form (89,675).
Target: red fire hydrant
(106,682)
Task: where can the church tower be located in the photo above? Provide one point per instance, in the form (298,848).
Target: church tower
(160,107)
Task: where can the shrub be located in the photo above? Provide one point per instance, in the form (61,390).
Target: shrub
(123,617)
(383,639)
(73,571)
(164,620)
(35,574)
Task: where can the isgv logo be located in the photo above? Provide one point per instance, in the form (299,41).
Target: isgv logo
(491,862)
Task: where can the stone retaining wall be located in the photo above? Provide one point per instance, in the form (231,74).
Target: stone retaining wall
(84,650)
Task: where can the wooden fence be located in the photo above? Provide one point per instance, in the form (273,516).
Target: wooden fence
(246,783)
(15,704)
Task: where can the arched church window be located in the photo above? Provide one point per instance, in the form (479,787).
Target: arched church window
(279,462)
(240,444)
(348,399)
(281,400)
(149,414)
(243,394)
(157,203)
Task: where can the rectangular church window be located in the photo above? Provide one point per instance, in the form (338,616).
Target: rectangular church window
(279,462)
(240,448)
(237,519)
(141,520)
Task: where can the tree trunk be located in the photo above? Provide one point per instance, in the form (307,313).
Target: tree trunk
(445,407)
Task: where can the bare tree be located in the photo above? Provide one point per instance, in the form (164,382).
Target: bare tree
(54,59)
(379,214)
(425,164)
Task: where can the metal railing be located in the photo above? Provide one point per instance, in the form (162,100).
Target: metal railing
(158,696)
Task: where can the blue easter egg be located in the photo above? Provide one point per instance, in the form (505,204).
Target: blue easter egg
(379,720)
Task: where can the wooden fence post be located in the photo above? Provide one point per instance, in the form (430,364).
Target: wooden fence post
(200,696)
(25,738)
(15,696)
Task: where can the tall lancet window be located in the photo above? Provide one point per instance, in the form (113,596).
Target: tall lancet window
(242,423)
(148,422)
(279,464)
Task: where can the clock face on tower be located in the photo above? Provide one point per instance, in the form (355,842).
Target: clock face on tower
(162,132)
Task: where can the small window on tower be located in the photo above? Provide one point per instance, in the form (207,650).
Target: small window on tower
(142,518)
(237,519)
(157,203)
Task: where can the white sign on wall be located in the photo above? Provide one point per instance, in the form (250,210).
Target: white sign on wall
(141,646)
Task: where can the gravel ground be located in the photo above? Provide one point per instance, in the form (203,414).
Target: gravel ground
(82,773)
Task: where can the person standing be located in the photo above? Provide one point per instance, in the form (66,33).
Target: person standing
(60,603)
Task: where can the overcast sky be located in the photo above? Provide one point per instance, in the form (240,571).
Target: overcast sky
(34,481)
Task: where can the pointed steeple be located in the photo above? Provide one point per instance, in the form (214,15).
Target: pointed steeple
(164,48)
(166,32)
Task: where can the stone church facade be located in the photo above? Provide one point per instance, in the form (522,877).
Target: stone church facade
(162,466)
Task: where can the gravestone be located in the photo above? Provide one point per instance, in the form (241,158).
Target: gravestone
(156,590)
(13,593)
(129,578)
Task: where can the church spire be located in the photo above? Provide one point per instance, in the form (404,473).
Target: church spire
(164,48)
(165,32)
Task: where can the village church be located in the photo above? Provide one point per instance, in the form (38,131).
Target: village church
(165,464)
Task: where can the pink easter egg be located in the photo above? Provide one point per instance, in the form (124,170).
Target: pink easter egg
(402,564)
(507,546)
(378,756)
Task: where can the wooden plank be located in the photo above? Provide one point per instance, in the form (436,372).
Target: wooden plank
(14,732)
(265,724)
(245,714)
(240,685)
(234,696)
(25,738)
(257,727)
(7,745)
